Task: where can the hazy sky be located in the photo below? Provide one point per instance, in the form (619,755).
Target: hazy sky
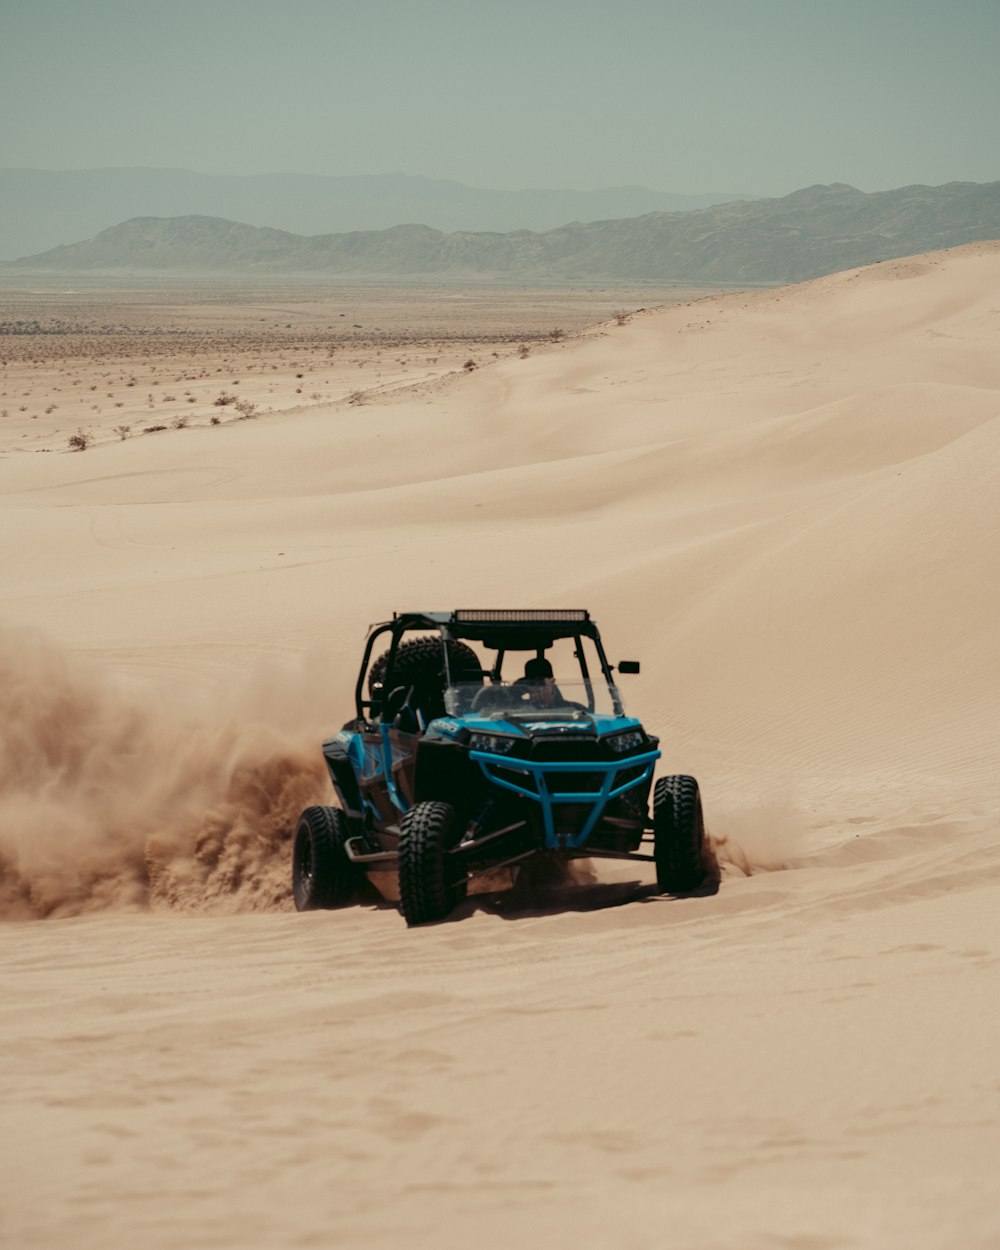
(756,96)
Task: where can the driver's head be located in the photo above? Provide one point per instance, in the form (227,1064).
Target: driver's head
(538,673)
(537,669)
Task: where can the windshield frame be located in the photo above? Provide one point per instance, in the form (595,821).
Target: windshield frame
(502,639)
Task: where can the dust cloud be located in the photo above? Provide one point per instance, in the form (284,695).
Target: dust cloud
(113,799)
(761,836)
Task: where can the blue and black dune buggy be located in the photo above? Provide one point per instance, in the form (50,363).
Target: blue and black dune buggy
(488,737)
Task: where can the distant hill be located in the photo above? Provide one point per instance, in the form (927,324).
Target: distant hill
(41,208)
(811,232)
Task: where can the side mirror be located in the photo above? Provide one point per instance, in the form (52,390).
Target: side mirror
(628,666)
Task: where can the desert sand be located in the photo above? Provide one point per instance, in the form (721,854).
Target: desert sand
(786,504)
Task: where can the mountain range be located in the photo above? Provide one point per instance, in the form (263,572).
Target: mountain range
(815,231)
(41,208)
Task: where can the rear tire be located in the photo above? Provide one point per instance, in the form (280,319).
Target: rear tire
(427,892)
(322,875)
(679,834)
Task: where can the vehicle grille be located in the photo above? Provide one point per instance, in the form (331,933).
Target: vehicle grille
(518,777)
(568,749)
(574,783)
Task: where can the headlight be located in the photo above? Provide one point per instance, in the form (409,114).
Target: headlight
(627,741)
(495,744)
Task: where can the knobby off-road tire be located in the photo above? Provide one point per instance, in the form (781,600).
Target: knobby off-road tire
(678,834)
(428,890)
(322,875)
(421,661)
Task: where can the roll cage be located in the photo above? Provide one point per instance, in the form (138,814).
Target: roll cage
(498,629)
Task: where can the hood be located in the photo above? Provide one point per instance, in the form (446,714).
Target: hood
(552,725)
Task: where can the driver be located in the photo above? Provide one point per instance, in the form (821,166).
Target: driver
(540,683)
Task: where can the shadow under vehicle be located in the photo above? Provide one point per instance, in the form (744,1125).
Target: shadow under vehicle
(454,767)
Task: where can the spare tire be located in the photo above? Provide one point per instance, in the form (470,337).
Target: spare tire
(420,664)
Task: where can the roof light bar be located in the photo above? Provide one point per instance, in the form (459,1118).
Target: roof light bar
(526,616)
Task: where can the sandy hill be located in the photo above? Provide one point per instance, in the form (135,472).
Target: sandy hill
(787,504)
(815,231)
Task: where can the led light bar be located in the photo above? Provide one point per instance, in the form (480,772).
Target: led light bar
(526,616)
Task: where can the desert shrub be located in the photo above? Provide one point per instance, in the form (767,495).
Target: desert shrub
(80,441)
(356,397)
(556,335)
(123,431)
(51,408)
(153,429)
(216,420)
(223,398)
(246,409)
(469,366)
(179,423)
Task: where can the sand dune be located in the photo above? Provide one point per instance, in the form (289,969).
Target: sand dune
(787,505)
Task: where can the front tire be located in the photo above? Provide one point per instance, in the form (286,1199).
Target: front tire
(322,875)
(427,890)
(678,834)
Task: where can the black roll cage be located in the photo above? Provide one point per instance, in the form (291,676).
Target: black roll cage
(528,630)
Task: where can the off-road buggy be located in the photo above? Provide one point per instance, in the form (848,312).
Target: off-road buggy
(483,738)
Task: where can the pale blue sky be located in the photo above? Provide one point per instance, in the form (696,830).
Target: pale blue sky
(759,96)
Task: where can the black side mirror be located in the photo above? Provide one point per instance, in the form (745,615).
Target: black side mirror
(628,666)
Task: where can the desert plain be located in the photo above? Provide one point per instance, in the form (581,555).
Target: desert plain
(785,503)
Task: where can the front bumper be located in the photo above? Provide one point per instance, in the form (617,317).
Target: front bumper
(539,781)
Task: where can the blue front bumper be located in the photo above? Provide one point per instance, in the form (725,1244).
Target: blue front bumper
(540,791)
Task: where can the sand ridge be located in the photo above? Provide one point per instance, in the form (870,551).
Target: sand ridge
(785,503)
